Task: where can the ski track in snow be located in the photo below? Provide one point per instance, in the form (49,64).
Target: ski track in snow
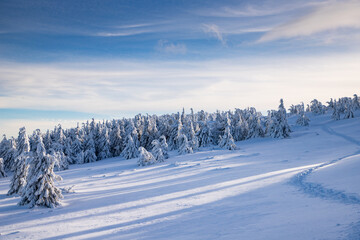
(317,190)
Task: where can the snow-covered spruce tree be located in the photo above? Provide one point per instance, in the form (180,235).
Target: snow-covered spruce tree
(59,138)
(47,141)
(218,127)
(279,127)
(302,120)
(40,189)
(244,126)
(61,161)
(349,111)
(269,121)
(204,135)
(21,168)
(179,131)
(149,132)
(77,153)
(192,138)
(23,144)
(176,128)
(184,146)
(104,145)
(89,149)
(4,144)
(116,141)
(227,140)
(336,112)
(2,171)
(316,107)
(330,103)
(130,150)
(356,102)
(66,149)
(10,155)
(164,146)
(255,128)
(131,129)
(157,151)
(145,158)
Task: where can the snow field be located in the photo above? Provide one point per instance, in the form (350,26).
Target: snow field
(212,194)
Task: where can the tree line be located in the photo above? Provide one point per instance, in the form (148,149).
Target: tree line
(32,159)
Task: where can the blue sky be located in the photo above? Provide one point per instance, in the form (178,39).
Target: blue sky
(70,60)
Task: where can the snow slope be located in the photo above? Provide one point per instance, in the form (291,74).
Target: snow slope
(305,187)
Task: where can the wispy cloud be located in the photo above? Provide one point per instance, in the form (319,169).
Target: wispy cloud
(106,87)
(123,33)
(253,10)
(215,31)
(136,25)
(332,16)
(172,48)
(131,29)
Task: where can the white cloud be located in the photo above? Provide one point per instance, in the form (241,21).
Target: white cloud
(159,86)
(215,31)
(123,33)
(331,16)
(259,10)
(172,48)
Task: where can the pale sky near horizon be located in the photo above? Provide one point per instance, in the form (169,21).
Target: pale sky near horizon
(64,61)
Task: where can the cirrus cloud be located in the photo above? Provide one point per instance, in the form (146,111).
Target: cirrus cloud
(331,16)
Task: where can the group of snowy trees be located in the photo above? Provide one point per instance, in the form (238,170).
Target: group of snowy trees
(32,159)
(342,107)
(156,135)
(33,175)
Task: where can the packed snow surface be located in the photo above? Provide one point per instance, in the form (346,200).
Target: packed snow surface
(303,187)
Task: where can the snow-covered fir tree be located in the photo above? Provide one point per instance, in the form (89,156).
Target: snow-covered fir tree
(10,154)
(244,128)
(316,107)
(19,178)
(20,167)
(89,149)
(48,140)
(59,139)
(192,138)
(157,151)
(116,140)
(255,128)
(23,144)
(130,150)
(279,127)
(218,127)
(330,103)
(204,135)
(349,111)
(184,146)
(2,171)
(302,120)
(179,131)
(145,157)
(356,102)
(77,153)
(61,161)
(3,146)
(164,146)
(104,145)
(149,133)
(227,140)
(40,189)
(336,111)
